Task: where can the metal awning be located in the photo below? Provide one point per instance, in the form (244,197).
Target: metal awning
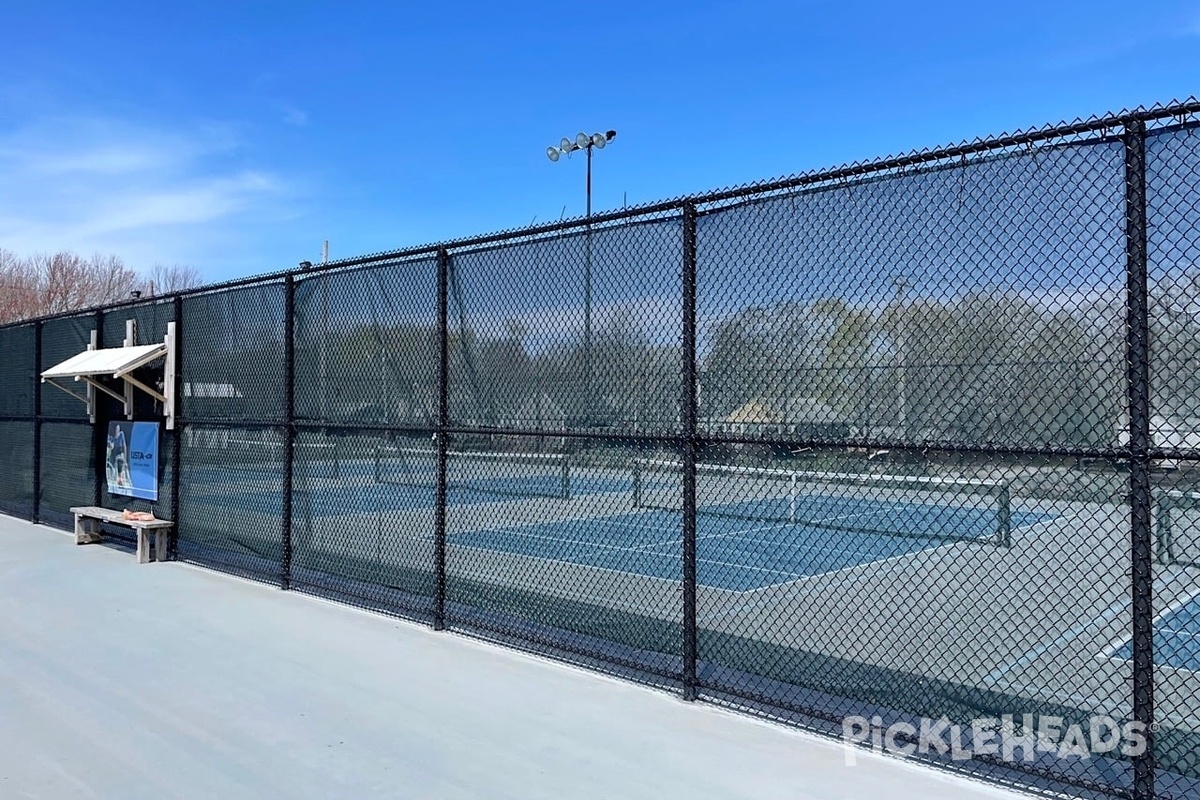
(119,363)
(113,362)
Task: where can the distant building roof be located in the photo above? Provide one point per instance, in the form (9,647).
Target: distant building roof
(810,410)
(755,412)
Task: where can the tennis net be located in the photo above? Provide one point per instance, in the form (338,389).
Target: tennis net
(316,459)
(894,505)
(505,474)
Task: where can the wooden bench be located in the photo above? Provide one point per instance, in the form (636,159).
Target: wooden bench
(87,530)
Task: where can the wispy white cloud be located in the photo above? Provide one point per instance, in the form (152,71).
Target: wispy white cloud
(145,194)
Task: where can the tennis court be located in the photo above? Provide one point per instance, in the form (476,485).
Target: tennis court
(756,527)
(730,553)
(1176,638)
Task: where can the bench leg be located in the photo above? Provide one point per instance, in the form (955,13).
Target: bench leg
(87,530)
(143,546)
(160,545)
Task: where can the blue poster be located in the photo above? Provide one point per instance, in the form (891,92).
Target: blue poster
(131,459)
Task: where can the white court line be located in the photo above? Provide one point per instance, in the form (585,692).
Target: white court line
(1033,654)
(862,555)
(849,580)
(707,536)
(644,552)
(757,528)
(514,534)
(870,555)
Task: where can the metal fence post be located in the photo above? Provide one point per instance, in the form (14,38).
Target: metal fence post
(289,432)
(439,548)
(690,444)
(1141,537)
(36,508)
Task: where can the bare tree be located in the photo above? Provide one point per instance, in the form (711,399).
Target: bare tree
(164,279)
(18,287)
(62,282)
(69,282)
(53,284)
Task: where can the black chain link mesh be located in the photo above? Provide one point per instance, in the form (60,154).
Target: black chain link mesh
(865,444)
(1173,211)
(573,334)
(17,410)
(16,478)
(944,319)
(367,346)
(62,339)
(231,483)
(234,369)
(68,471)
(19,371)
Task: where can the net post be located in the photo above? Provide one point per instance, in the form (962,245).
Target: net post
(792,497)
(1138,386)
(439,535)
(289,433)
(1004,516)
(35,509)
(689,419)
(637,483)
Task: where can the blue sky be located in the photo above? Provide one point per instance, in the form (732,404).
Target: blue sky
(236,137)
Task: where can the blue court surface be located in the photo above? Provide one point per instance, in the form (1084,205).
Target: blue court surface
(741,546)
(1176,638)
(731,554)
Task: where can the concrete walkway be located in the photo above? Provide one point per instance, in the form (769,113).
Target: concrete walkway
(167,681)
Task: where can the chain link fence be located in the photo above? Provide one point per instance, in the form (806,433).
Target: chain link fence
(907,452)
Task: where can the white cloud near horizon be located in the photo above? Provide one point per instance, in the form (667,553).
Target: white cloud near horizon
(147,195)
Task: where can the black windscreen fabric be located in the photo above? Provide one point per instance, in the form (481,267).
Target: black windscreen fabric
(940,305)
(528,560)
(68,471)
(231,498)
(62,339)
(1173,217)
(355,534)
(17,370)
(16,476)
(367,345)
(150,319)
(577,331)
(1173,250)
(232,354)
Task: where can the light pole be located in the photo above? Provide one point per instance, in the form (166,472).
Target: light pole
(566,146)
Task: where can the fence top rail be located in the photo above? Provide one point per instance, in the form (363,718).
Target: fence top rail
(1176,110)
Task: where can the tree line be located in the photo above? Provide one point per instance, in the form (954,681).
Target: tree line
(55,283)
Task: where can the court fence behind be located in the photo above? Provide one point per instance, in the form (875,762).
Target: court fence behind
(990,346)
